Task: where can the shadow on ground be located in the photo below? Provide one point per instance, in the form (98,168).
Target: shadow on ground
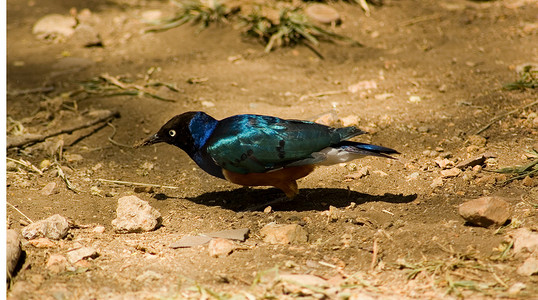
(309,199)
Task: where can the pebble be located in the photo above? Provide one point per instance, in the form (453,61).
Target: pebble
(81,253)
(444,163)
(412,176)
(149,276)
(283,233)
(477,140)
(529,267)
(54,26)
(57,263)
(13,251)
(528,181)
(99,229)
(42,243)
(219,247)
(351,120)
(362,85)
(135,215)
(437,182)
(49,189)
(423,129)
(485,211)
(525,241)
(471,162)
(516,288)
(322,13)
(414,99)
(152,15)
(328,119)
(55,227)
(450,173)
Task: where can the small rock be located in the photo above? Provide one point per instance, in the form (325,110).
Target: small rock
(362,172)
(322,13)
(152,15)
(45,164)
(333,214)
(149,276)
(268,209)
(13,251)
(283,233)
(529,267)
(471,162)
(412,176)
(524,241)
(233,234)
(485,211)
(351,120)
(328,119)
(219,247)
(99,229)
(450,173)
(55,227)
(423,129)
(516,288)
(49,189)
(12,166)
(135,215)
(208,104)
(54,26)
(382,97)
(57,263)
(477,140)
(190,241)
(437,182)
(444,163)
(73,157)
(82,253)
(528,181)
(42,243)
(414,99)
(362,85)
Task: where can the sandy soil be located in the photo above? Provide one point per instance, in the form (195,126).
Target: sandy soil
(438,69)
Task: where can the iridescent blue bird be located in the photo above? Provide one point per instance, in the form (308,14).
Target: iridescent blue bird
(256,150)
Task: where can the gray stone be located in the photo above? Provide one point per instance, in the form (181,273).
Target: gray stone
(191,241)
(485,211)
(55,227)
(81,253)
(13,251)
(135,215)
(232,234)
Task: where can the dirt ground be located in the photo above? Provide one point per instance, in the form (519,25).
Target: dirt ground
(437,70)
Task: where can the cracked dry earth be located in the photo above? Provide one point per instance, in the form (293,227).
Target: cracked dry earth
(430,76)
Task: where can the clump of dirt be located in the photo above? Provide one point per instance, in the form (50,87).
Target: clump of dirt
(429,81)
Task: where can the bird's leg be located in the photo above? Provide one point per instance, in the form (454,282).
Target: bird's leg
(290,188)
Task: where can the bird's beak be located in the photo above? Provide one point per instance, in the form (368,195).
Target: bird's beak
(153,139)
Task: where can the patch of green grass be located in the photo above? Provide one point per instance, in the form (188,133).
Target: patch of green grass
(528,79)
(291,28)
(519,172)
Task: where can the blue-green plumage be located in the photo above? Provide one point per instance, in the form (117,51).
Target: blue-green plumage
(247,144)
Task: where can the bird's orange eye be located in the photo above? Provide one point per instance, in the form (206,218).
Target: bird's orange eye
(172,133)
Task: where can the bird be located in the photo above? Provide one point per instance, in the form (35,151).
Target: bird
(260,150)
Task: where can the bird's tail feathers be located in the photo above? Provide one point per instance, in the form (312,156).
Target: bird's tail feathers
(367,149)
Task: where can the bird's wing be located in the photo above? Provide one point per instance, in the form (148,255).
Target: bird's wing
(255,144)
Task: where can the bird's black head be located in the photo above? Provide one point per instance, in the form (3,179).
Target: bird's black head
(175,132)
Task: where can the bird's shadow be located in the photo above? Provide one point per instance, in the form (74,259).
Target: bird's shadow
(308,199)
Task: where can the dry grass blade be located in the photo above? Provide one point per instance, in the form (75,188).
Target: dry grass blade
(26,164)
(129,183)
(68,183)
(195,12)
